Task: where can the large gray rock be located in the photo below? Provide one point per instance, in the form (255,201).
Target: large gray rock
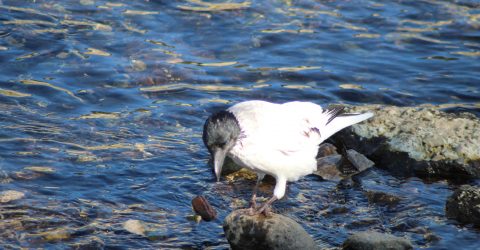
(421,141)
(260,232)
(375,241)
(464,205)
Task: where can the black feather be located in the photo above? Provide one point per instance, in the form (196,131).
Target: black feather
(219,129)
(334,112)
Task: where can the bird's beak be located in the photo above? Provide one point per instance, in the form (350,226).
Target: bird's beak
(218,159)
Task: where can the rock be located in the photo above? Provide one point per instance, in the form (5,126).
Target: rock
(203,208)
(464,205)
(134,227)
(229,167)
(326,149)
(364,222)
(359,161)
(243,174)
(328,167)
(421,141)
(40,169)
(10,195)
(260,232)
(56,235)
(375,241)
(381,198)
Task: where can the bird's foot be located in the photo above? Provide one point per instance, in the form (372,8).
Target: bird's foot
(266,210)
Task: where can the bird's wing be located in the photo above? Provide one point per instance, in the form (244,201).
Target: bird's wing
(285,127)
(293,126)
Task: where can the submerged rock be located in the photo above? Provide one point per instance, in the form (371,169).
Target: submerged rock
(464,205)
(10,195)
(260,232)
(134,227)
(421,141)
(376,241)
(381,198)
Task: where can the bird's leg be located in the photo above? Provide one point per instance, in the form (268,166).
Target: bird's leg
(253,201)
(266,208)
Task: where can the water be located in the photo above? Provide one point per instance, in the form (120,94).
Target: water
(109,98)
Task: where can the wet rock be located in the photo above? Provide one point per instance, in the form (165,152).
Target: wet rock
(365,222)
(40,169)
(328,167)
(421,141)
(359,161)
(375,241)
(10,195)
(134,227)
(243,174)
(260,232)
(381,198)
(54,235)
(92,242)
(57,235)
(202,207)
(464,205)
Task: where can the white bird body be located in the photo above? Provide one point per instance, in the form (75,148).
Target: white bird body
(281,140)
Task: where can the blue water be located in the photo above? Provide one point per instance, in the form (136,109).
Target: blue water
(110,98)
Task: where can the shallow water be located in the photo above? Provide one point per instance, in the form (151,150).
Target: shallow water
(109,98)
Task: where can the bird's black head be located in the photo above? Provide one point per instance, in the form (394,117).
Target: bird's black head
(220,132)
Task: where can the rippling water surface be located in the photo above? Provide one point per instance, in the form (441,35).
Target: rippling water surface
(102,105)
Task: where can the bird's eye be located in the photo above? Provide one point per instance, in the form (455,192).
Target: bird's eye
(222,145)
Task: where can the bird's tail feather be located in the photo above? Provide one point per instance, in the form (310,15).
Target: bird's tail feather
(343,121)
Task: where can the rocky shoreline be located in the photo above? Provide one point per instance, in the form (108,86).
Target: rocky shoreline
(406,141)
(417,141)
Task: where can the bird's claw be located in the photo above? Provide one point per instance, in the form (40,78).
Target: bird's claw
(264,210)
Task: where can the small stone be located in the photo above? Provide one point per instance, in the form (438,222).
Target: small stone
(10,195)
(203,208)
(359,161)
(376,241)
(134,227)
(259,232)
(464,205)
(328,167)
